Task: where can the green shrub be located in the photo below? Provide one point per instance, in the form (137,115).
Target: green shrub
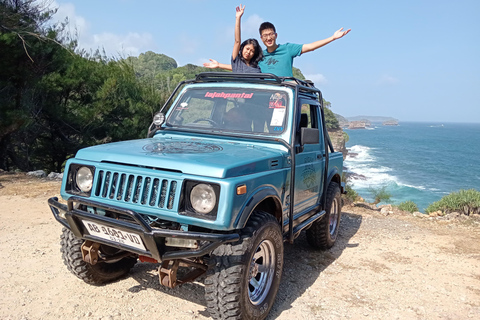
(380,194)
(463,201)
(409,206)
(351,194)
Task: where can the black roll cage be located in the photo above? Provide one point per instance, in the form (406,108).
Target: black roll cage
(302,88)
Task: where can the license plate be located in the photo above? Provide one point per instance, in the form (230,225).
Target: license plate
(114,234)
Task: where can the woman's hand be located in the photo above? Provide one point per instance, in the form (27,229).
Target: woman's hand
(212,65)
(240,11)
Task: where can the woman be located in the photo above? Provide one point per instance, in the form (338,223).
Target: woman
(245,56)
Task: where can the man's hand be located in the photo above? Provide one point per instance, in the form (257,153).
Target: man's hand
(340,33)
(212,65)
(240,11)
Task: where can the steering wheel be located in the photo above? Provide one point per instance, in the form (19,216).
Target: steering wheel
(213,123)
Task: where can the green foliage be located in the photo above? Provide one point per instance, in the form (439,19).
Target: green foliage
(351,194)
(298,74)
(409,206)
(54,101)
(150,64)
(331,121)
(380,195)
(463,201)
(346,136)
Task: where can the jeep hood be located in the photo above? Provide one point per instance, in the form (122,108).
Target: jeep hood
(205,157)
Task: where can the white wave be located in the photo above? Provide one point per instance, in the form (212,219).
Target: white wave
(369,175)
(359,153)
(372,178)
(412,186)
(369,128)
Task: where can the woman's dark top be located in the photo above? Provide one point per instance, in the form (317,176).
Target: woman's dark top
(238,66)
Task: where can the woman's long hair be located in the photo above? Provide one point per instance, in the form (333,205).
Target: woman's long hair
(257,56)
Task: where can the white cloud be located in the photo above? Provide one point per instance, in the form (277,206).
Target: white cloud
(67,10)
(317,78)
(387,80)
(131,43)
(251,25)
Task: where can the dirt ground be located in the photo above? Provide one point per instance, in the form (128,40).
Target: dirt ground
(382,267)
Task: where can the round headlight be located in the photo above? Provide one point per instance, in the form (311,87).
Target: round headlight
(158,119)
(203,198)
(84,179)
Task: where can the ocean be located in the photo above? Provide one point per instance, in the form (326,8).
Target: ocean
(421,162)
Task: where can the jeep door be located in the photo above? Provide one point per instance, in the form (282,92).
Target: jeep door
(309,160)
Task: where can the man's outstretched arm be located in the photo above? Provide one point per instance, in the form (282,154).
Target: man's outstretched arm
(320,43)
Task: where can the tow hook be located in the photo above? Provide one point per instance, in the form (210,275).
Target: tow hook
(168,274)
(90,252)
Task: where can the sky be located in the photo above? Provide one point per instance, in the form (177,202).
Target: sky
(414,60)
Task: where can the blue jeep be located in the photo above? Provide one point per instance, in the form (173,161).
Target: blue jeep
(237,165)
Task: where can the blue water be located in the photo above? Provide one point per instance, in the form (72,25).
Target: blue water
(421,162)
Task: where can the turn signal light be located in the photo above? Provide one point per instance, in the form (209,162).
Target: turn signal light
(241,189)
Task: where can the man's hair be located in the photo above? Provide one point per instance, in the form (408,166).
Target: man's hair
(266,25)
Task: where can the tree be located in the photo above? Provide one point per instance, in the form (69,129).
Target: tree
(29,50)
(150,64)
(330,119)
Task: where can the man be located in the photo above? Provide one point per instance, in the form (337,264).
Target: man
(278,58)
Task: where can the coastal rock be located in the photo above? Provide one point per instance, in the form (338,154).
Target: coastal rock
(419,214)
(386,209)
(358,125)
(390,123)
(365,205)
(435,214)
(338,141)
(355,176)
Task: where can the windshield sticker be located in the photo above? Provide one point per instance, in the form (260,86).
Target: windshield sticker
(278,100)
(228,95)
(182,106)
(277,117)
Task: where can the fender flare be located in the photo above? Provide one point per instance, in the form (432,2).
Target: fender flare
(255,198)
(334,172)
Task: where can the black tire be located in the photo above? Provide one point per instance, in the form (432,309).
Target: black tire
(244,277)
(323,233)
(97,274)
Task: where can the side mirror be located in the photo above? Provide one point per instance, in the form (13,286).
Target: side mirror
(309,136)
(158,120)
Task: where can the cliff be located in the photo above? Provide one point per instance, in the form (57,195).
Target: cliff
(338,140)
(362,124)
(390,123)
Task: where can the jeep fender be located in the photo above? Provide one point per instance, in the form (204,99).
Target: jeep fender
(260,195)
(335,176)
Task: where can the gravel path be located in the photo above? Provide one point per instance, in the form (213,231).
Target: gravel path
(394,267)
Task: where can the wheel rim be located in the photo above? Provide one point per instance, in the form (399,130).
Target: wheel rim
(261,272)
(333,217)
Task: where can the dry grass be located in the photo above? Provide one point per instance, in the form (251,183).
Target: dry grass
(13,184)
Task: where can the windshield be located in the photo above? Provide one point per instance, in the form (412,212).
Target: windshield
(231,109)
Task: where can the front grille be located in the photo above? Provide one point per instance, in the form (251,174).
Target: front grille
(138,189)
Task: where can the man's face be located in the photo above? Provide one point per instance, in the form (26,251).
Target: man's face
(269,38)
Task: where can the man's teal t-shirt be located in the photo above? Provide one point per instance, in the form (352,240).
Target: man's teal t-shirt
(280,61)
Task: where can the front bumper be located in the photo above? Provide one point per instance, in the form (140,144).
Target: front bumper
(153,238)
